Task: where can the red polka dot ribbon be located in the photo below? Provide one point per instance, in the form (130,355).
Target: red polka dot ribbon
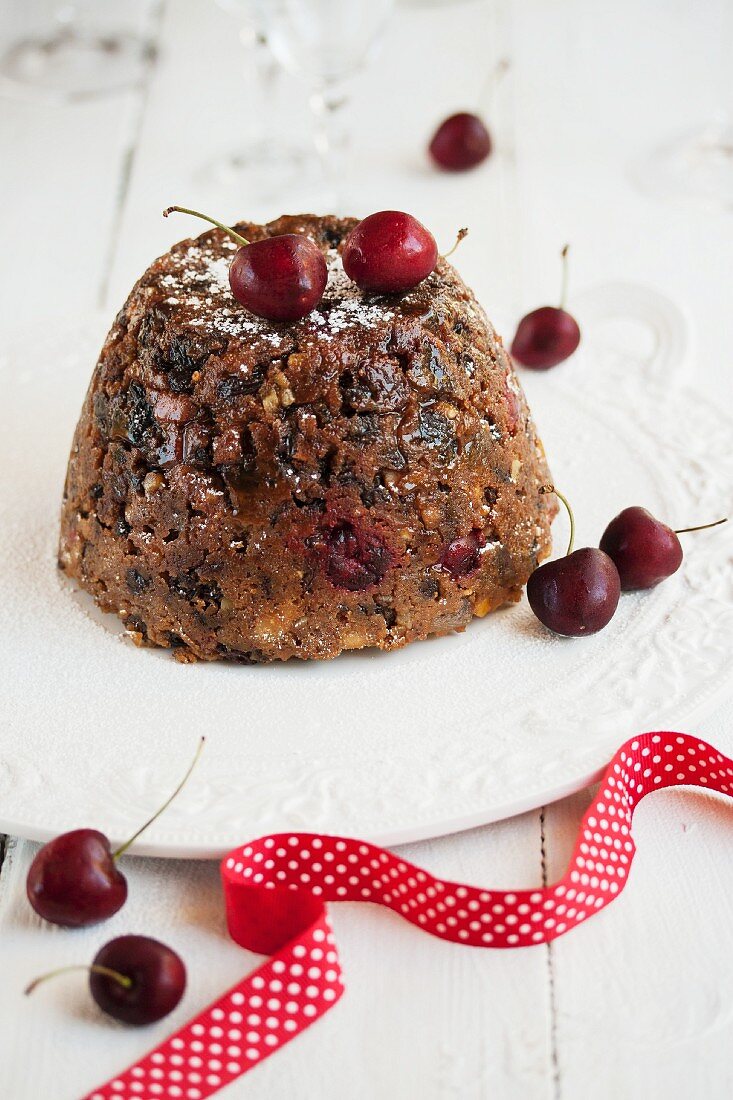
(276,889)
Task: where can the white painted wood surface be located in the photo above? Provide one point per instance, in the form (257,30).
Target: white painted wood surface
(639,1001)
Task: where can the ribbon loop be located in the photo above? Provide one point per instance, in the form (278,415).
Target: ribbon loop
(276,888)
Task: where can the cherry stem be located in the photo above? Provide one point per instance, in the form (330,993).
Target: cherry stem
(95,968)
(461,235)
(493,80)
(564,286)
(702,526)
(568,509)
(240,240)
(166,804)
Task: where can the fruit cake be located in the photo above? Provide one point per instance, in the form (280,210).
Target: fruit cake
(250,490)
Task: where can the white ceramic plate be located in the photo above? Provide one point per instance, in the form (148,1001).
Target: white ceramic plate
(433,738)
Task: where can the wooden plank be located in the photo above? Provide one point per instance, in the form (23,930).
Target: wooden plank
(643,992)
(421,1017)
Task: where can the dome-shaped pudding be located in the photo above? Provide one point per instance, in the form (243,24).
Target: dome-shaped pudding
(241,489)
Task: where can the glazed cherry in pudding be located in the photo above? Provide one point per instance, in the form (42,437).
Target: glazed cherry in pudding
(389,253)
(460,142)
(281,278)
(352,557)
(548,335)
(135,979)
(462,556)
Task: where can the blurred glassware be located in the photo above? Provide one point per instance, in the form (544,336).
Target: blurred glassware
(76,51)
(264,165)
(696,164)
(327,42)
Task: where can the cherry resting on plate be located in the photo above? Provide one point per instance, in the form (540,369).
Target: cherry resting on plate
(460,142)
(136,979)
(389,253)
(74,879)
(576,595)
(281,278)
(644,549)
(548,335)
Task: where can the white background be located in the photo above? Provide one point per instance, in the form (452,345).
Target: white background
(639,1001)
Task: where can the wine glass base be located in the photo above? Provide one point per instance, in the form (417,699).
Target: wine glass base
(72,65)
(696,164)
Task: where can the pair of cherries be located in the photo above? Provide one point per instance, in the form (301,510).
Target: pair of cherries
(283,278)
(578,594)
(74,881)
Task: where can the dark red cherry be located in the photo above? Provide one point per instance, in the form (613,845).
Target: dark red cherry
(156,975)
(461,141)
(644,549)
(463,555)
(575,595)
(548,335)
(136,979)
(281,278)
(74,881)
(545,337)
(353,558)
(389,253)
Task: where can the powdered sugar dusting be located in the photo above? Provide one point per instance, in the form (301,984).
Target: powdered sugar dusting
(203,299)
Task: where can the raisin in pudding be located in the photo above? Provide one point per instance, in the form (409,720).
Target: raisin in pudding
(244,489)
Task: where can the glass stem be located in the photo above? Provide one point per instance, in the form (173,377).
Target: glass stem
(330,133)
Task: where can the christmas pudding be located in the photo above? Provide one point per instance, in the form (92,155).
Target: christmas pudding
(251,489)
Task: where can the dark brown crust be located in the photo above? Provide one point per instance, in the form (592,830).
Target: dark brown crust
(246,490)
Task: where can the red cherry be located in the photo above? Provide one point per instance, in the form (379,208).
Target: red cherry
(156,973)
(461,141)
(547,336)
(463,555)
(575,595)
(389,253)
(578,594)
(352,558)
(645,550)
(135,979)
(281,278)
(74,880)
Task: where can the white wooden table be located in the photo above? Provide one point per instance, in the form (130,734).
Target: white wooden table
(637,1002)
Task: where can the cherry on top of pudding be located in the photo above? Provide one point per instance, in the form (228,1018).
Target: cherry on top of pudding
(283,277)
(389,252)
